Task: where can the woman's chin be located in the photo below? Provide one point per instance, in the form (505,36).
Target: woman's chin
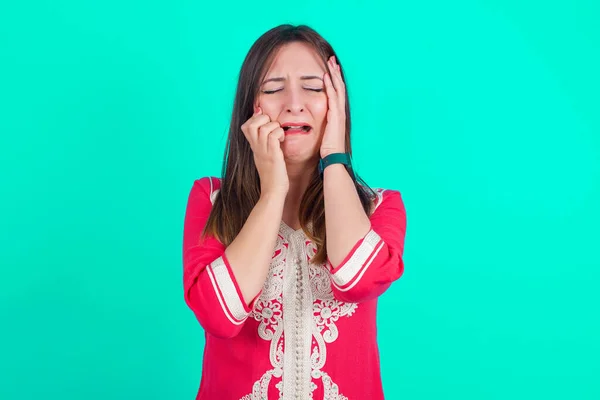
(293,152)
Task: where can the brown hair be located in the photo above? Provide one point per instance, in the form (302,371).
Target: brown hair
(240,185)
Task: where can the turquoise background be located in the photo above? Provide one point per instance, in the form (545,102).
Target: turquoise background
(484,114)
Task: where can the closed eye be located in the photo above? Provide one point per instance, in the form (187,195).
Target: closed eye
(278,90)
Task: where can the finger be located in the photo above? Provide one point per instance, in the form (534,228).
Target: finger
(246,124)
(257,112)
(250,127)
(256,122)
(263,134)
(338,82)
(333,72)
(331,93)
(274,140)
(278,133)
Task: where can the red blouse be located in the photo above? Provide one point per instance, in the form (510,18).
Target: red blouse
(311,332)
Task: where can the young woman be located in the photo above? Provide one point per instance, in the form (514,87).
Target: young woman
(286,254)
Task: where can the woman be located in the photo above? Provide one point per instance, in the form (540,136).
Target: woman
(283,260)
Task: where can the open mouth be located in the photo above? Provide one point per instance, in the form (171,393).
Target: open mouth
(304,128)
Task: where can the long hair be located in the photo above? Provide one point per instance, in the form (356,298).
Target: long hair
(240,183)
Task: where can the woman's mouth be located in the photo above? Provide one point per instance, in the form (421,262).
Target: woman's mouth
(297,129)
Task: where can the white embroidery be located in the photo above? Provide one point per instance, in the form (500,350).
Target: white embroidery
(224,288)
(297,300)
(330,389)
(269,312)
(326,308)
(213,192)
(359,261)
(310,322)
(298,311)
(268,307)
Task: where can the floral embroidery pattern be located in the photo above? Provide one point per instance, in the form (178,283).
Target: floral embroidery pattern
(326,310)
(268,312)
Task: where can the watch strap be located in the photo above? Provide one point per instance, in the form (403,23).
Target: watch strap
(335,158)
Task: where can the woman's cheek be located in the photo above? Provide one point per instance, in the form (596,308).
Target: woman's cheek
(268,107)
(319,105)
(319,109)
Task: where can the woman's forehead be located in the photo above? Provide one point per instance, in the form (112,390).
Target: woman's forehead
(297,57)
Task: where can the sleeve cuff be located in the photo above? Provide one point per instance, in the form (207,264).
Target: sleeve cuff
(352,269)
(228,292)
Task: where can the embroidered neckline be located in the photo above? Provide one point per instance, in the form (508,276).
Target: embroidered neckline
(288,232)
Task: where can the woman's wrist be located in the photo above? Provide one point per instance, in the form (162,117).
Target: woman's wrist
(273,198)
(326,152)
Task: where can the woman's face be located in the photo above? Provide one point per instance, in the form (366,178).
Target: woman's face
(293,91)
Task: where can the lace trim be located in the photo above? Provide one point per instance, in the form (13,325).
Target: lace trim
(226,293)
(297,319)
(359,261)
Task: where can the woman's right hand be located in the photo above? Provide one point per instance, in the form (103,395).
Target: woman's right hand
(265,139)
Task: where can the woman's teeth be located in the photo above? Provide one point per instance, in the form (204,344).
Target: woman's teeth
(305,128)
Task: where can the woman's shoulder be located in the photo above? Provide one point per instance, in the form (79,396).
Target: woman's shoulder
(207,186)
(208,182)
(386,195)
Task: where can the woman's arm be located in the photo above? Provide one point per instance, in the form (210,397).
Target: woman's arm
(251,252)
(364,253)
(221,284)
(345,218)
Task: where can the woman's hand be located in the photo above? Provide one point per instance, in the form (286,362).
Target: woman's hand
(334,137)
(265,139)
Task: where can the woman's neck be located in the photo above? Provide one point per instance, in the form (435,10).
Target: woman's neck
(299,176)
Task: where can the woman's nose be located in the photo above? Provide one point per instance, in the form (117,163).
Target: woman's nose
(294,101)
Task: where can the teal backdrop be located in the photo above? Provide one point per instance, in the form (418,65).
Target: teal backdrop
(484,114)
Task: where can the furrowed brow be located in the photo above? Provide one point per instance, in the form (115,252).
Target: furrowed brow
(304,78)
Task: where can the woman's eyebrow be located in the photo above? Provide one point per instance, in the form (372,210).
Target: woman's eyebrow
(304,78)
(308,77)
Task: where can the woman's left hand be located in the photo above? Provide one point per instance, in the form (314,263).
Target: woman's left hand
(334,137)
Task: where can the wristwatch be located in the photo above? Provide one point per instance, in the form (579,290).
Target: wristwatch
(336,158)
